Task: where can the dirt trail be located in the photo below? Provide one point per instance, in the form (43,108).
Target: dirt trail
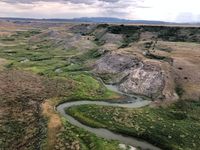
(54,123)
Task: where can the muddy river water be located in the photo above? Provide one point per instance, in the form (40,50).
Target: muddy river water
(128,102)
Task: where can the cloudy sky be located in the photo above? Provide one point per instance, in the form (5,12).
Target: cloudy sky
(165,10)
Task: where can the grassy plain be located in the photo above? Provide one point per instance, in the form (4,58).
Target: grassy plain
(175,127)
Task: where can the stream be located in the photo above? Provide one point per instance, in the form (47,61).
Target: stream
(131,101)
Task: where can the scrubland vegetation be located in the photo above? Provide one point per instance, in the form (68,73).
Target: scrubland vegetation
(75,138)
(57,74)
(176,127)
(40,66)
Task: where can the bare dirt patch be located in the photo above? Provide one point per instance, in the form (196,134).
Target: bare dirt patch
(54,123)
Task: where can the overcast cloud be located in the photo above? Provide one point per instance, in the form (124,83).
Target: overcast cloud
(165,10)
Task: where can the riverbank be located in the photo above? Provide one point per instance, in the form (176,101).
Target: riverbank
(175,127)
(103,132)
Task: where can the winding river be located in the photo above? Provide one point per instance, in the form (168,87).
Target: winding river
(129,102)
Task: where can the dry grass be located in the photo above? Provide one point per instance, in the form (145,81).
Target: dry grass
(185,67)
(2,63)
(186,64)
(21,120)
(5,25)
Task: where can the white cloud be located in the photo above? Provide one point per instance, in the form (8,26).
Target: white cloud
(166,10)
(170,10)
(46,10)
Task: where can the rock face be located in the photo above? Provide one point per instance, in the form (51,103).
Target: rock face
(115,63)
(146,80)
(115,67)
(131,74)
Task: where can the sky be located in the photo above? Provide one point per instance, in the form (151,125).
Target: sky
(163,10)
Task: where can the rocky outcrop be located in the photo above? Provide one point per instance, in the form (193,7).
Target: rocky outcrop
(115,63)
(114,67)
(132,75)
(146,80)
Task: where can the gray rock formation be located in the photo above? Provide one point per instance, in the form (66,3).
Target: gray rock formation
(131,74)
(115,63)
(114,67)
(146,80)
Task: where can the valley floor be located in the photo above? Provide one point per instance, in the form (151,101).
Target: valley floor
(43,65)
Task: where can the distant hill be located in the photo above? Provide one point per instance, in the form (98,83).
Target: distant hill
(99,20)
(115,20)
(92,20)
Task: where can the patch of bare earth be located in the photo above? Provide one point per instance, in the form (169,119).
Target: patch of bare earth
(54,124)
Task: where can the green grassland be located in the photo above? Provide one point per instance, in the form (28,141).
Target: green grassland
(63,65)
(56,62)
(76,137)
(176,127)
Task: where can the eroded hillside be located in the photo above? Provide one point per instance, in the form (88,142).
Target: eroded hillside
(44,64)
(153,61)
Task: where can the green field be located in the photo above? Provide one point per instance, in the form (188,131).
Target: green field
(61,66)
(176,127)
(87,141)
